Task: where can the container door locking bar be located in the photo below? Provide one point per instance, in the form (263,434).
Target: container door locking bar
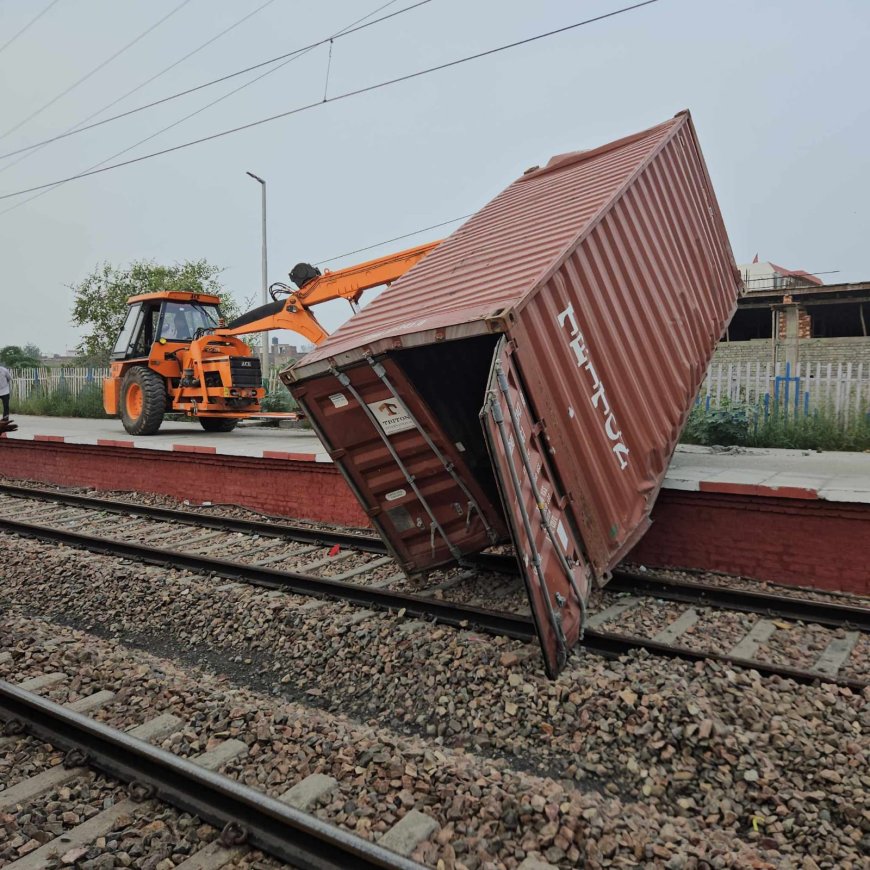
(491,533)
(344,380)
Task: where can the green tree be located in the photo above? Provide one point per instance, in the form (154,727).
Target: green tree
(32,350)
(101,299)
(13,357)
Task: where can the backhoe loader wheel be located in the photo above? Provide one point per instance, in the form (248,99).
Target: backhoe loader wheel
(217,424)
(143,401)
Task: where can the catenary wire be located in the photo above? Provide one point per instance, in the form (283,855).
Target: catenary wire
(394,239)
(354,28)
(30,150)
(28,25)
(809,271)
(346,95)
(95,70)
(294,57)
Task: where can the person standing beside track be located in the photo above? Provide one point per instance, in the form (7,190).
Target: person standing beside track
(5,389)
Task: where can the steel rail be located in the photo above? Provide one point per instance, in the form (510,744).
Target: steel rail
(614,645)
(459,615)
(245,814)
(299,534)
(747,601)
(650,585)
(495,622)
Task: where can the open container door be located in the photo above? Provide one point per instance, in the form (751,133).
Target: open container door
(555,573)
(406,472)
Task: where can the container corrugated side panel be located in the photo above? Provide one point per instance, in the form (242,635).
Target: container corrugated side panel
(497,257)
(645,298)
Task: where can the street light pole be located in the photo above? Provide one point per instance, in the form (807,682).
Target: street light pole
(264,348)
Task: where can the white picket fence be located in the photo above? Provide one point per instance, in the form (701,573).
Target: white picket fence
(71,381)
(44,381)
(842,388)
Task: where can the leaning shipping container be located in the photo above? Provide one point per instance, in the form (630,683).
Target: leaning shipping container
(529,379)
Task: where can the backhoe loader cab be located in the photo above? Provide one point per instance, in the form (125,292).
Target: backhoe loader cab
(168,357)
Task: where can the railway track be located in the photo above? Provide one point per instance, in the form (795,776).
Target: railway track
(154,777)
(355,568)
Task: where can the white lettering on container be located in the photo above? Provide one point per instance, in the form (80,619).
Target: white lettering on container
(597,397)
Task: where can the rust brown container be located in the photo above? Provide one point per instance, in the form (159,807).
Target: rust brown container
(530,378)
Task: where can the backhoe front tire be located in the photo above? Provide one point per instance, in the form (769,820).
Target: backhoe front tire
(217,424)
(143,401)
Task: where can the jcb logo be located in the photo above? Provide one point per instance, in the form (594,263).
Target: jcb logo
(598,397)
(246,363)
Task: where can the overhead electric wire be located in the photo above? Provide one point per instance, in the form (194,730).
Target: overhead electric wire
(346,95)
(28,25)
(394,239)
(30,150)
(95,70)
(181,60)
(347,31)
(247,84)
(808,271)
(350,28)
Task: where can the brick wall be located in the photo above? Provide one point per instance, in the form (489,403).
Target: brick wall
(305,490)
(810,351)
(798,319)
(756,350)
(836,350)
(800,542)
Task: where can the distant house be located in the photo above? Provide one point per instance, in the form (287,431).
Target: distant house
(789,315)
(281,355)
(764,276)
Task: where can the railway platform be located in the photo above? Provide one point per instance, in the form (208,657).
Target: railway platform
(788,516)
(244,440)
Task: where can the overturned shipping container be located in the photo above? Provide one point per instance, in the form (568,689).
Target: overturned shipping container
(529,379)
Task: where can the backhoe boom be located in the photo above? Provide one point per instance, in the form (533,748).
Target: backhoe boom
(293,313)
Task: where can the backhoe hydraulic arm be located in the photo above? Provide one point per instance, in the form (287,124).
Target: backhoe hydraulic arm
(294,312)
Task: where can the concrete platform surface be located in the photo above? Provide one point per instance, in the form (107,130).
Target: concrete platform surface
(831,476)
(245,440)
(802,474)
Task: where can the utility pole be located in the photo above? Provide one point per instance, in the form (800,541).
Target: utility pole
(264,347)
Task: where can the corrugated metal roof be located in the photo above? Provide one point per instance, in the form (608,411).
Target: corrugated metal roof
(504,251)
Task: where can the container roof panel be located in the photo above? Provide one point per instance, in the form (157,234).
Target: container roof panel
(502,253)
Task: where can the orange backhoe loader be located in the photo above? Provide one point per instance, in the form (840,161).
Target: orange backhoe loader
(175,353)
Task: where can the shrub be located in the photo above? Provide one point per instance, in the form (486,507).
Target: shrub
(279,399)
(60,402)
(820,430)
(748,426)
(726,425)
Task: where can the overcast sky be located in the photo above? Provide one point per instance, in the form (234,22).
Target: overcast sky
(774,87)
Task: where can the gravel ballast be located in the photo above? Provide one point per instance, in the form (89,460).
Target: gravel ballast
(613,764)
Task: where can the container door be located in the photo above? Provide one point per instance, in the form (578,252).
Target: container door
(550,559)
(407,474)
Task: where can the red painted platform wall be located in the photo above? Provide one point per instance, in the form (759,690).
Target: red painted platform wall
(797,541)
(305,490)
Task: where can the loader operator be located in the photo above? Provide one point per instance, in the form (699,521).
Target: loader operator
(176,327)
